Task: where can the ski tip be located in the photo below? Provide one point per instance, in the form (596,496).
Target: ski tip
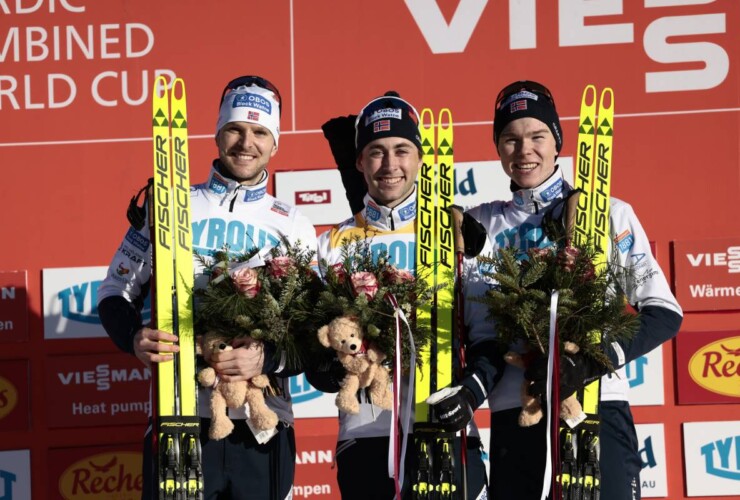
(589,95)
(426,119)
(159,88)
(445,118)
(606,100)
(178,89)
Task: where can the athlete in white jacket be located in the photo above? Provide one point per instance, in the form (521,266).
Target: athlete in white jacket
(231,208)
(389,156)
(528,138)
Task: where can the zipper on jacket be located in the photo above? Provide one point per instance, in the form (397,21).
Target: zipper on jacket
(233,200)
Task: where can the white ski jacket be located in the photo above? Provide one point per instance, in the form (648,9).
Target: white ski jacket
(391,230)
(223,212)
(518,223)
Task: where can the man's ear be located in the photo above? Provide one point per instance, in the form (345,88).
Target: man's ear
(358,163)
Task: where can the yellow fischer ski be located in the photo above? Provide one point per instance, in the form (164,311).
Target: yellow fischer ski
(176,422)
(580,476)
(435,262)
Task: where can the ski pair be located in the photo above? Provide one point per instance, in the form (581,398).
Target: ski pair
(176,420)
(579,477)
(435,262)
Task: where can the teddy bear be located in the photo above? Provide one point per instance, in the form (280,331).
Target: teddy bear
(233,394)
(570,409)
(361,360)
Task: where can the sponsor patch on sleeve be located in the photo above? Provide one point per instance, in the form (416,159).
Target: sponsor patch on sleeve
(624,241)
(137,239)
(280,208)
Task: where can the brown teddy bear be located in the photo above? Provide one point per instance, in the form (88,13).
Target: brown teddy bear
(570,409)
(362,362)
(233,394)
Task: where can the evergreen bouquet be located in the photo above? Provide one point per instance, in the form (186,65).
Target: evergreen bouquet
(590,300)
(358,287)
(268,300)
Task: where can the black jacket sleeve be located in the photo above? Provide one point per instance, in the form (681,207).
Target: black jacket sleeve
(485,366)
(121,320)
(657,325)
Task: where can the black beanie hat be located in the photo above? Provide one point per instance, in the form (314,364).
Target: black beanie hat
(386,116)
(526,99)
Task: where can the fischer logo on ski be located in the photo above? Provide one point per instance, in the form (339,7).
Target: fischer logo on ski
(580,476)
(435,258)
(176,417)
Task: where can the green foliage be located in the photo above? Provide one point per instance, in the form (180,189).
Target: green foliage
(276,305)
(589,300)
(376,315)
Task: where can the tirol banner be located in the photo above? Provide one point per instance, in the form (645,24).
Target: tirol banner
(708,274)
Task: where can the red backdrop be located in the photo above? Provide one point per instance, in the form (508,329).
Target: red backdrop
(74,109)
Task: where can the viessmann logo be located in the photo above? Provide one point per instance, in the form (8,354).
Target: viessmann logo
(730,259)
(8,397)
(716,367)
(105,475)
(313,197)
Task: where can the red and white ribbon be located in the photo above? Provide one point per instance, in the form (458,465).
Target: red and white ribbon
(551,391)
(396,456)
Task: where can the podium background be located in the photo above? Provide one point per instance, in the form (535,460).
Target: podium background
(75,77)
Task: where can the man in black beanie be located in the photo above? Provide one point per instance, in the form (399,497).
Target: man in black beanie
(387,155)
(528,138)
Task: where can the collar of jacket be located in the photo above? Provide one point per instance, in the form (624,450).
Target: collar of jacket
(228,189)
(390,219)
(534,200)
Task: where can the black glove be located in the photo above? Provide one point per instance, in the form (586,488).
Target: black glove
(340,132)
(452,407)
(576,371)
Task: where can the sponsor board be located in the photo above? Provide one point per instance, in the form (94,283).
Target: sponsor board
(707,274)
(15,475)
(712,458)
(315,475)
(14,395)
(645,377)
(71,302)
(320,196)
(13,306)
(651,447)
(309,402)
(96,472)
(95,390)
(708,367)
(317,194)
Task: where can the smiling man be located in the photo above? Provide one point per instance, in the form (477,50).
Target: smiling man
(388,154)
(231,208)
(528,138)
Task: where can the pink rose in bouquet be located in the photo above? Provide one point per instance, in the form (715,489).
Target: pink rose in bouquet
(246,281)
(279,267)
(567,258)
(398,276)
(339,272)
(364,283)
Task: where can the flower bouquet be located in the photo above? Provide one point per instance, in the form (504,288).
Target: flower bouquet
(589,300)
(268,300)
(358,287)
